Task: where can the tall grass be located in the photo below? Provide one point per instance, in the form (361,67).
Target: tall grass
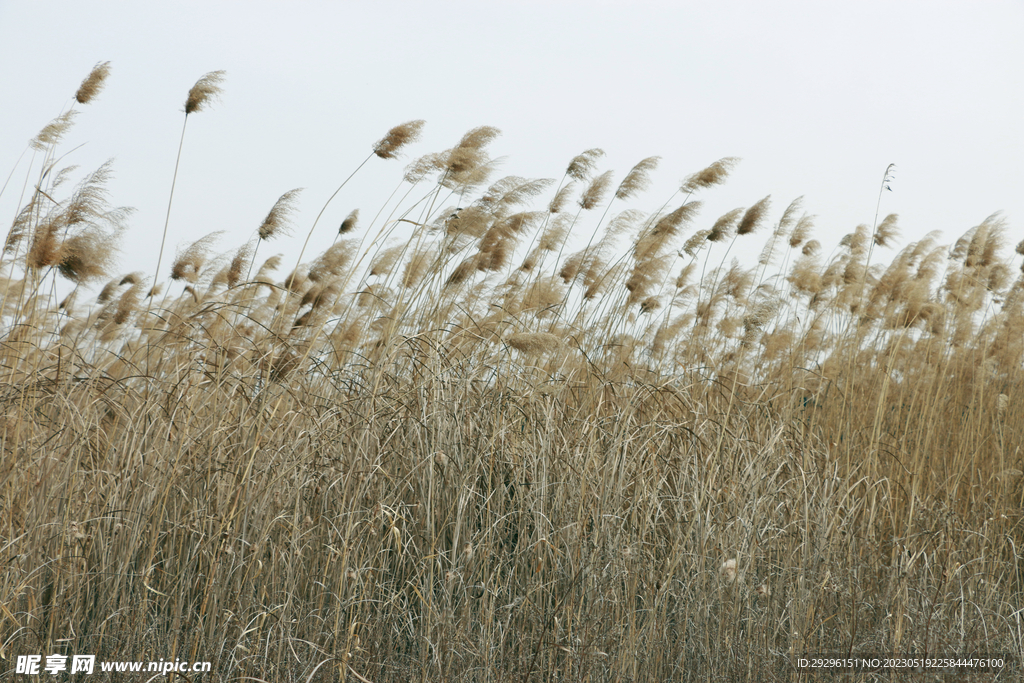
(466,455)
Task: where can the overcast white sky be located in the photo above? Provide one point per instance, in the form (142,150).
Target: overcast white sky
(817,98)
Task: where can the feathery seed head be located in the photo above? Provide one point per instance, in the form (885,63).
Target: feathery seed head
(349,224)
(46,248)
(478,138)
(638,179)
(190,261)
(802,231)
(466,165)
(562,196)
(994,239)
(420,168)
(812,247)
(715,174)
(239,262)
(543,296)
(463,271)
(723,227)
(297,279)
(556,232)
(88,255)
(685,274)
(523,191)
(417,266)
(887,230)
(593,195)
(269,266)
(333,261)
(789,215)
(127,304)
(583,165)
(396,138)
(763,311)
(530,261)
(277,219)
(753,217)
(68,302)
(650,304)
(108,291)
(473,221)
(651,242)
(696,242)
(21,225)
(384,262)
(52,132)
(960,248)
(998,278)
(93,83)
(856,241)
(534,343)
(205,90)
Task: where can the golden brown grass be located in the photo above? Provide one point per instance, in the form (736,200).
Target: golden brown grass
(414,459)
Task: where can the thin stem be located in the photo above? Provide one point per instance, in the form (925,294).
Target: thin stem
(167,220)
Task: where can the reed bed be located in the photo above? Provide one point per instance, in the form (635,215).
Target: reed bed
(508,429)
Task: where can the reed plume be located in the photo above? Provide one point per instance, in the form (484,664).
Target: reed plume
(593,195)
(751,220)
(534,343)
(584,164)
(715,174)
(88,255)
(243,256)
(54,131)
(189,262)
(801,231)
(93,83)
(332,262)
(349,224)
(887,231)
(638,178)
(205,90)
(276,221)
(725,225)
(398,137)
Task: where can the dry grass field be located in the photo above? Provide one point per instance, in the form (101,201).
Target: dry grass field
(541,437)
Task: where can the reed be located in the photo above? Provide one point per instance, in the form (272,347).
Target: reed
(443,450)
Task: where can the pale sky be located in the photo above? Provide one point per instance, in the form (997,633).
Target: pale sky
(817,98)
